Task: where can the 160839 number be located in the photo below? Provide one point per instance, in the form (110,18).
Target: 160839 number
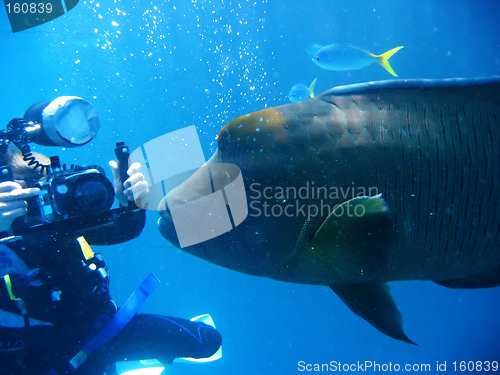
(475,366)
(26,14)
(40,8)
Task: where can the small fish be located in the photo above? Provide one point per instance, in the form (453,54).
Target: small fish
(300,92)
(347,57)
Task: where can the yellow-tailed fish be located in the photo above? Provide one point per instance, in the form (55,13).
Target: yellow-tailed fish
(300,92)
(347,57)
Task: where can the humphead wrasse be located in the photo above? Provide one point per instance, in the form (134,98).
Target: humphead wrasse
(364,185)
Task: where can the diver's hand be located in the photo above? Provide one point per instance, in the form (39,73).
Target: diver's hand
(135,187)
(12,202)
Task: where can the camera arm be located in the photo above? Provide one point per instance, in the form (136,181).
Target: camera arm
(5,170)
(122,153)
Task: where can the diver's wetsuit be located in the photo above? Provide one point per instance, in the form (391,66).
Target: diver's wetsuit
(71,303)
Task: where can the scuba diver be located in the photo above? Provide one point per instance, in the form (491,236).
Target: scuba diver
(56,313)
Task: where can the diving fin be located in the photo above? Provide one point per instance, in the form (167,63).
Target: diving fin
(374,303)
(157,367)
(207,319)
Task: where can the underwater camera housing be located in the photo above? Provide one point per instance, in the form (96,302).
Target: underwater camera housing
(68,195)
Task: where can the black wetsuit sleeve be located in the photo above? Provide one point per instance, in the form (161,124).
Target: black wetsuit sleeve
(117,228)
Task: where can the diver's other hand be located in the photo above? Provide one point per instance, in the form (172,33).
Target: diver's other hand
(12,202)
(135,187)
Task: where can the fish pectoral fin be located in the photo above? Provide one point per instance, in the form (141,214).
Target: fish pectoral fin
(383,59)
(313,49)
(374,303)
(486,279)
(356,238)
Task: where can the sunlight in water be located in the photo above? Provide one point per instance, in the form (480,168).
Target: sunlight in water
(231,69)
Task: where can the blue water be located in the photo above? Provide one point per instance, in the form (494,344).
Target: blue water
(177,63)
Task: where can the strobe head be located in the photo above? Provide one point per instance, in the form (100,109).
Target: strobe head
(67,121)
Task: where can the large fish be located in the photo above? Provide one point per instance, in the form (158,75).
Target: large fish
(363,185)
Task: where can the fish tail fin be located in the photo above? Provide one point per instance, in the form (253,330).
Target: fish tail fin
(311,88)
(383,59)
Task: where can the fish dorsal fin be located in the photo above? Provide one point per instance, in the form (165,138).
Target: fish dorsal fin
(355,239)
(374,303)
(313,49)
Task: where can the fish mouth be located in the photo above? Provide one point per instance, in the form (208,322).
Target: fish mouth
(168,231)
(166,224)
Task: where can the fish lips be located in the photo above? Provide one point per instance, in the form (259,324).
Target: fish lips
(167,229)
(166,224)
(234,249)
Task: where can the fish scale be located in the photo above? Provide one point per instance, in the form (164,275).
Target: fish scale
(437,157)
